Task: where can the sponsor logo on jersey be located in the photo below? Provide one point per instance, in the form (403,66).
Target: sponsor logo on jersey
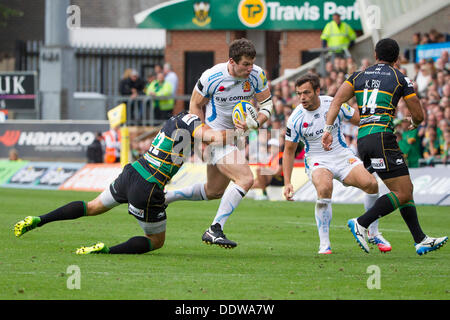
(252,13)
(378,163)
(398,161)
(352,160)
(135,211)
(215,75)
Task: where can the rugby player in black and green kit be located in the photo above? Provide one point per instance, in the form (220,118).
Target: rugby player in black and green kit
(141,185)
(378,90)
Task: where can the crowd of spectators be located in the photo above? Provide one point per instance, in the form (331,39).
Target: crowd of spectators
(426,145)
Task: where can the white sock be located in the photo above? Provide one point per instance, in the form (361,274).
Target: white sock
(230,200)
(369,200)
(195,192)
(323,213)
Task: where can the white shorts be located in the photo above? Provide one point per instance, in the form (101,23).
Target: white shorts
(339,165)
(217,153)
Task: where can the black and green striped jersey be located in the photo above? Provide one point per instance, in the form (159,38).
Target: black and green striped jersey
(165,156)
(378,90)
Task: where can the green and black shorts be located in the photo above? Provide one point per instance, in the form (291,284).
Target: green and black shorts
(381,152)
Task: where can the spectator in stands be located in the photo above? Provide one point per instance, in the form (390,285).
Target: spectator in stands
(409,143)
(365,63)
(411,52)
(338,34)
(14,155)
(112,140)
(94,152)
(162,89)
(132,86)
(431,145)
(171,77)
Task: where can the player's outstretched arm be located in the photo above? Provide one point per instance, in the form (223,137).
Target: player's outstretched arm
(288,165)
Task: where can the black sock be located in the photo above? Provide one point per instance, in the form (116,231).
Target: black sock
(383,206)
(409,214)
(70,211)
(135,245)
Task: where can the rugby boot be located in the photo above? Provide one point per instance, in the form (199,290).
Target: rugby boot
(215,235)
(25,225)
(429,244)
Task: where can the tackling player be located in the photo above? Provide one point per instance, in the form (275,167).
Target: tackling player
(141,185)
(378,90)
(219,89)
(306,124)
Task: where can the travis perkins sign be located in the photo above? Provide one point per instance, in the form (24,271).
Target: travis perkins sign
(49,140)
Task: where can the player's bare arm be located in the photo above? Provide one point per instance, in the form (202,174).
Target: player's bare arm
(197,103)
(210,136)
(264,99)
(415,108)
(288,165)
(344,94)
(356,117)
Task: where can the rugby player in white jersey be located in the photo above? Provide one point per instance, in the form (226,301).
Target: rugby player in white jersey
(219,89)
(306,123)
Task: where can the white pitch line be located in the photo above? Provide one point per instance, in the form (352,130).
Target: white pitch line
(341,227)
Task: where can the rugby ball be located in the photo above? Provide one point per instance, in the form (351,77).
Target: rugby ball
(240,111)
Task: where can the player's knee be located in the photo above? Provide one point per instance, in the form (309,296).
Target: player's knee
(157,240)
(245,182)
(214,194)
(95,207)
(324,192)
(371,186)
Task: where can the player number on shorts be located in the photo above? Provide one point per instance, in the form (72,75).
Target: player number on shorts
(372,103)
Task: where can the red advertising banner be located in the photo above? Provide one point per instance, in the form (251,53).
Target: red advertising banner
(93,177)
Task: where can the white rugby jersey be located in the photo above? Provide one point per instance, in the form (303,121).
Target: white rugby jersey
(224,91)
(307,126)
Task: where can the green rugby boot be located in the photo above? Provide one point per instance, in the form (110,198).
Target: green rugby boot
(96,248)
(25,225)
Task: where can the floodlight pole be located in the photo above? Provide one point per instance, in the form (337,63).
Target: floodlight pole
(56,63)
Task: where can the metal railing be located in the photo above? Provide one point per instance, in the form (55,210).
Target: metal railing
(141,111)
(97,69)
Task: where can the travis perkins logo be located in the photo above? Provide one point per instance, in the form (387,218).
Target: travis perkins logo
(47,139)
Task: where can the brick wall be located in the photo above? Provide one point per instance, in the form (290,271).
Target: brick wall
(178,42)
(292,43)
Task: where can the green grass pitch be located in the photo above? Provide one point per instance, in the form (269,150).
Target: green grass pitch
(276,257)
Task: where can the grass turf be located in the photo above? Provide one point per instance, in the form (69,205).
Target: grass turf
(276,257)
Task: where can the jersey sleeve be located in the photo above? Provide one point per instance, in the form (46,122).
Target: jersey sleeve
(351,80)
(407,86)
(190,122)
(205,85)
(346,111)
(291,132)
(259,80)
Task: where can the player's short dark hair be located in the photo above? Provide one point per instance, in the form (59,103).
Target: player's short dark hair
(311,78)
(387,50)
(241,47)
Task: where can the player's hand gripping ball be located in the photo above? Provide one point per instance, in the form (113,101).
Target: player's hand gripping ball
(244,111)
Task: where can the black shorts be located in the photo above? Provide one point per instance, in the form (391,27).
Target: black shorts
(145,199)
(381,152)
